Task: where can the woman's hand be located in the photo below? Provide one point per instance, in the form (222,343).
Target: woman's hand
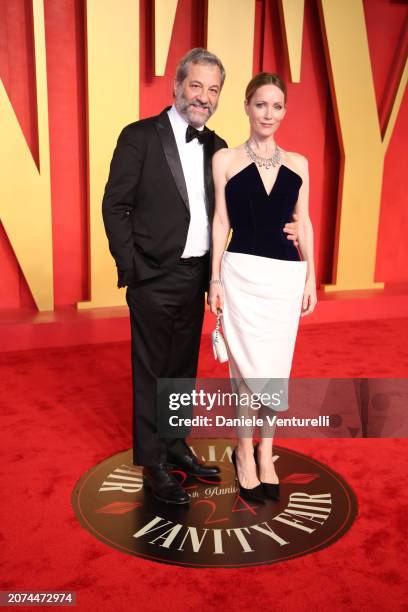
(216,296)
(309,298)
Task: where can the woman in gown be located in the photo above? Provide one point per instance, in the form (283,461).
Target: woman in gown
(261,283)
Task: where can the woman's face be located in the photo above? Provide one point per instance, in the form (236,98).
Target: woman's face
(265,110)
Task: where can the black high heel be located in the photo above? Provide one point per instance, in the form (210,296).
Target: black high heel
(256,494)
(271,490)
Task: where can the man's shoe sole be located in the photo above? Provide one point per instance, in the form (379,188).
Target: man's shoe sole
(163,499)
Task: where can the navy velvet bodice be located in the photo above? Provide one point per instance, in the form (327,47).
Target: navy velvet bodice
(258,218)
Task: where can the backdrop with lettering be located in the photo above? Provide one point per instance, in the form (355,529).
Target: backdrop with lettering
(74,72)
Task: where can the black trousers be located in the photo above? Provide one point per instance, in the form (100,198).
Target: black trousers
(166,316)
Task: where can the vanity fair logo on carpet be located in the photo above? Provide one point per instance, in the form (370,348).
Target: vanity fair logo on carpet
(217,528)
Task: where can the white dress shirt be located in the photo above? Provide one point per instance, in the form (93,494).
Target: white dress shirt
(192,161)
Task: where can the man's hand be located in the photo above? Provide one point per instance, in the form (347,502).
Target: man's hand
(292,230)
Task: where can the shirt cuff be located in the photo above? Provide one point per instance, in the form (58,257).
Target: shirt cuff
(126,278)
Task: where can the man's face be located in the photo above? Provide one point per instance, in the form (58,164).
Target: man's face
(196,98)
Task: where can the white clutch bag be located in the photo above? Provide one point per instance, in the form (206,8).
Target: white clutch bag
(218,343)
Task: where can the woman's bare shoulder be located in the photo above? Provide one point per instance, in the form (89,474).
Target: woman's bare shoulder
(226,153)
(296,161)
(225,157)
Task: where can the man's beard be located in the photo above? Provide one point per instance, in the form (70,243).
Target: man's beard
(186,108)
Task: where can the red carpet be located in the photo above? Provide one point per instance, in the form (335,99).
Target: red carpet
(63,410)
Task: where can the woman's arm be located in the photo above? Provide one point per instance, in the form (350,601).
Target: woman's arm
(220,228)
(305,237)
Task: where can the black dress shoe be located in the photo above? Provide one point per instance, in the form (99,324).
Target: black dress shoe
(271,490)
(164,486)
(190,464)
(256,494)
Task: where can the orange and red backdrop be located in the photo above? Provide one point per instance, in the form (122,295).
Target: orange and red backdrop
(312,125)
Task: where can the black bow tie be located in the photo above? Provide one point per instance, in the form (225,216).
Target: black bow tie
(201,135)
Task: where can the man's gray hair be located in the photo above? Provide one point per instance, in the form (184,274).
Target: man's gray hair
(198,56)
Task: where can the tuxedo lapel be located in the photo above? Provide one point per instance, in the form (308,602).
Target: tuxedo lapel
(209,146)
(169,145)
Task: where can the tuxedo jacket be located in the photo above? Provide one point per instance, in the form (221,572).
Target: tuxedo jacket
(145,205)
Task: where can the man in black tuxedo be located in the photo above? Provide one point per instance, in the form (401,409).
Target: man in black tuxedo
(157,209)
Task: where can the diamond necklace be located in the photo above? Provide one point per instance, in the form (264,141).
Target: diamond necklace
(267,162)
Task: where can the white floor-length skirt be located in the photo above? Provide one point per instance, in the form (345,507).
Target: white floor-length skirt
(262,305)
